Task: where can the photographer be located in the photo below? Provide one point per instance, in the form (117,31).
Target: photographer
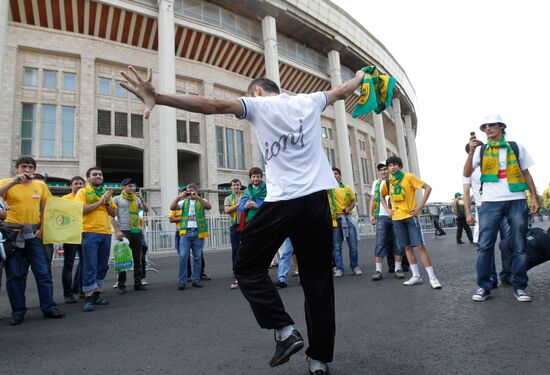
(193,231)
(26,198)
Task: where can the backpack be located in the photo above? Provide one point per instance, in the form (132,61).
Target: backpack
(515,148)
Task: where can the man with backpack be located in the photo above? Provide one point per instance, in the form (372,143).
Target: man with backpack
(460,212)
(505,177)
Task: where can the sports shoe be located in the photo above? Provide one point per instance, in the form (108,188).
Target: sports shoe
(280,284)
(317,371)
(97,299)
(144,282)
(481,295)
(116,285)
(399,274)
(338,273)
(376,276)
(287,347)
(435,283)
(522,296)
(413,281)
(295,273)
(357,271)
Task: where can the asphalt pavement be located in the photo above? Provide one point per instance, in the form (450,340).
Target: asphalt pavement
(383,327)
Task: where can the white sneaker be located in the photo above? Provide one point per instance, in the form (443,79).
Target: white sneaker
(116,285)
(357,271)
(413,281)
(143,282)
(522,296)
(338,273)
(435,283)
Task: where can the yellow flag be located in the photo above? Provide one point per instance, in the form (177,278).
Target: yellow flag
(62,221)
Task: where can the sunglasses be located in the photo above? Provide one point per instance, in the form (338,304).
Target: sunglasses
(485,126)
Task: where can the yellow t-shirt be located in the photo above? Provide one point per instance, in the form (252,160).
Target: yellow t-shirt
(24,201)
(69,196)
(175,214)
(343,196)
(402,209)
(96,221)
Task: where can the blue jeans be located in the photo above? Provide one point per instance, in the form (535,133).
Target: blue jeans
(338,239)
(490,218)
(408,232)
(96,248)
(69,255)
(284,261)
(190,241)
(16,274)
(386,237)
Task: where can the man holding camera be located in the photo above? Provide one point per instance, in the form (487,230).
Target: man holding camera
(127,225)
(505,177)
(26,198)
(193,231)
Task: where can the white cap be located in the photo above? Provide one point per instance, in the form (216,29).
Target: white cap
(493,119)
(380,163)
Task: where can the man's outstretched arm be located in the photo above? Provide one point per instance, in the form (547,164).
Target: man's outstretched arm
(345,89)
(146,92)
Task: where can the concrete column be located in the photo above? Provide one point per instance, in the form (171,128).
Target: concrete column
(3,38)
(401,148)
(340,119)
(167,116)
(210,181)
(86,115)
(415,168)
(10,112)
(271,55)
(381,153)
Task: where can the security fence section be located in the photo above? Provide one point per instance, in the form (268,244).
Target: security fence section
(160,234)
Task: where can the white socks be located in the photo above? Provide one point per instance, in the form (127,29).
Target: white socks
(283,333)
(315,365)
(398,266)
(379,267)
(431,272)
(414,269)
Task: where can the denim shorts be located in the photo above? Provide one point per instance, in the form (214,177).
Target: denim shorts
(385,238)
(408,232)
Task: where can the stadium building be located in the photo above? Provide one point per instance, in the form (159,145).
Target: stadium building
(62,102)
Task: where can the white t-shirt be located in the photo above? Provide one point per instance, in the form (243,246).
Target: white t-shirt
(192,222)
(382,211)
(289,133)
(499,191)
(475,183)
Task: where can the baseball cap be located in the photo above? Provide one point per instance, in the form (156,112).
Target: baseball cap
(458,195)
(128,181)
(380,164)
(493,119)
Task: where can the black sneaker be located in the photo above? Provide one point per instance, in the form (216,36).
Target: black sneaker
(197,285)
(285,348)
(280,284)
(139,286)
(205,277)
(181,286)
(54,313)
(16,320)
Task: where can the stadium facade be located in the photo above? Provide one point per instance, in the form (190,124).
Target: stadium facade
(63,104)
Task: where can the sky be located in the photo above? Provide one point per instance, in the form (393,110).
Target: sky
(466,59)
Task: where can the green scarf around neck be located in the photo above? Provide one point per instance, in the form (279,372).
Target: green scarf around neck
(489,167)
(376,204)
(200,218)
(135,227)
(396,191)
(93,194)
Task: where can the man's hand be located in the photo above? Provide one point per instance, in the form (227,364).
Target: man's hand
(182,195)
(535,206)
(250,204)
(416,211)
(143,89)
(119,235)
(346,210)
(20,178)
(106,196)
(138,194)
(470,219)
(474,142)
(39,233)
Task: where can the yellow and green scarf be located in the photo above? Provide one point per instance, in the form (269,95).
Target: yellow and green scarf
(135,225)
(233,201)
(376,92)
(200,218)
(93,195)
(489,167)
(376,204)
(396,190)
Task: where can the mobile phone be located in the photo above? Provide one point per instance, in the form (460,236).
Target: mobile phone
(472,134)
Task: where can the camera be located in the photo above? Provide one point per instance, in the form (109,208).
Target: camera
(472,134)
